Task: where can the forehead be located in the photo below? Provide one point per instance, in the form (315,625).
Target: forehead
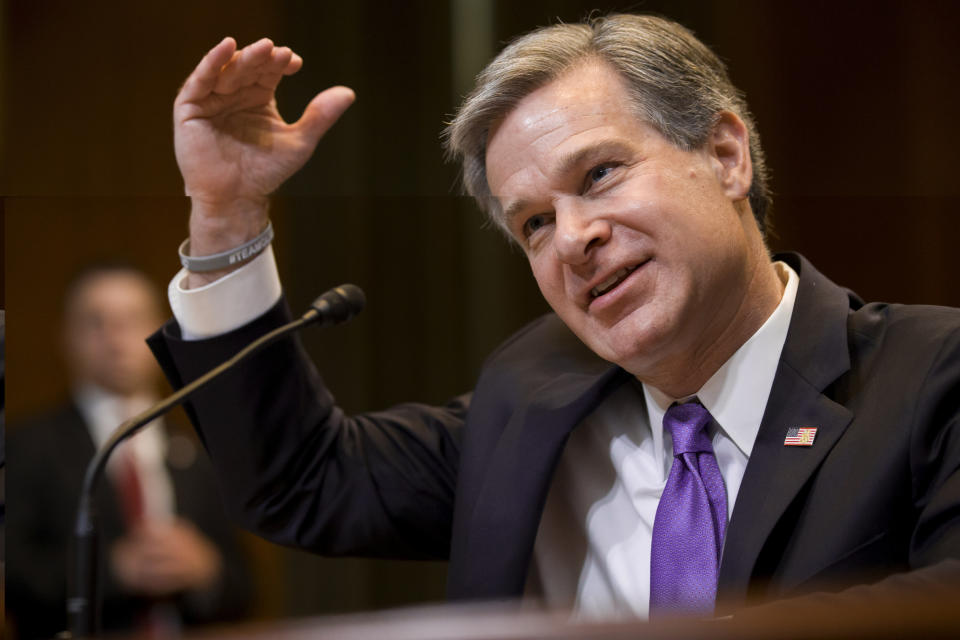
(112,291)
(587,109)
(591,87)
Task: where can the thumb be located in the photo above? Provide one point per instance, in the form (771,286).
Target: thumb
(324,110)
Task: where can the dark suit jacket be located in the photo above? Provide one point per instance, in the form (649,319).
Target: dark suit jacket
(48,457)
(877,494)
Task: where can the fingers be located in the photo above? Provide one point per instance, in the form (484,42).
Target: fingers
(324,110)
(204,77)
(295,63)
(163,558)
(283,62)
(226,70)
(243,70)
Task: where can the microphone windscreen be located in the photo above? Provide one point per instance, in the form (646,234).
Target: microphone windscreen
(339,304)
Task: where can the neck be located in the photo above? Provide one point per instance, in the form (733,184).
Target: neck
(695,364)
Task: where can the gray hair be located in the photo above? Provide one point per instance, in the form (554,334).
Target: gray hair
(677,84)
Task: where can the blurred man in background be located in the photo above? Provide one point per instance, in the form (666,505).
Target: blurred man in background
(170,557)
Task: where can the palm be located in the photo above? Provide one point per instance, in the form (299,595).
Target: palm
(246,153)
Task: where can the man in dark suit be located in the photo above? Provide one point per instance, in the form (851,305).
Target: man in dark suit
(695,421)
(171,556)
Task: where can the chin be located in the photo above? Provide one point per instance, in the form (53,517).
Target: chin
(633,343)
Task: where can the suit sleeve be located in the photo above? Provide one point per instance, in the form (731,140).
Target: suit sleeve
(935,460)
(295,469)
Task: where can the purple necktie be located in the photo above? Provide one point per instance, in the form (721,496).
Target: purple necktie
(691,520)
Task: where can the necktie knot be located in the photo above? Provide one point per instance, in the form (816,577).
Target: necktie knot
(687,425)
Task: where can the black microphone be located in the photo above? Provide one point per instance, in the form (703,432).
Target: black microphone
(337,305)
(334,307)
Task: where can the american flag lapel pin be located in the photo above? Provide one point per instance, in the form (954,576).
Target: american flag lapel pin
(800,437)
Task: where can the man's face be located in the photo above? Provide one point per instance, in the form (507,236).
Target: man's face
(641,248)
(108,319)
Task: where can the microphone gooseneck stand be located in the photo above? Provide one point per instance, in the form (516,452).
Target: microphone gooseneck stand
(333,307)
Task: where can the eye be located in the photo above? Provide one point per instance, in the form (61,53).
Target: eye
(534,223)
(599,173)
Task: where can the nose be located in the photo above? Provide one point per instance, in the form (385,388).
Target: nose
(580,229)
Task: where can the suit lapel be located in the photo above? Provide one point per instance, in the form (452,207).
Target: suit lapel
(814,355)
(507,511)
(776,473)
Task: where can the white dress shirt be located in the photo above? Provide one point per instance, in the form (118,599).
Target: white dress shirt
(592,552)
(103,412)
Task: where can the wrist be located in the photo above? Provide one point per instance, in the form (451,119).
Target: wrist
(221,226)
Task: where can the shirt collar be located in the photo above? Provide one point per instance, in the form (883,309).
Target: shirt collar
(104,411)
(736,395)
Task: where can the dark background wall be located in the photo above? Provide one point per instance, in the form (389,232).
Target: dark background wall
(856,103)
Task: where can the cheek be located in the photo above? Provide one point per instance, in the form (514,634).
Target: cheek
(700,228)
(549,277)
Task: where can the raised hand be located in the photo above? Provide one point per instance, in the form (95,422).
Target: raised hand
(232,145)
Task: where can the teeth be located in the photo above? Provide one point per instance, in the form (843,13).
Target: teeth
(611,282)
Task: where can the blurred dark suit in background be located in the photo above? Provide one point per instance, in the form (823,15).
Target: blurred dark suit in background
(170,557)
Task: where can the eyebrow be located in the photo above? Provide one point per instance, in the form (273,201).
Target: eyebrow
(515,207)
(569,162)
(593,153)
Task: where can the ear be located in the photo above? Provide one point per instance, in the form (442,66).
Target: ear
(729,148)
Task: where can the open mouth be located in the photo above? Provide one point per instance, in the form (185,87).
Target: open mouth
(612,281)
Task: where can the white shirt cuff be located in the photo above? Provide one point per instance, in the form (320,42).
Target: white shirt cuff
(226,304)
